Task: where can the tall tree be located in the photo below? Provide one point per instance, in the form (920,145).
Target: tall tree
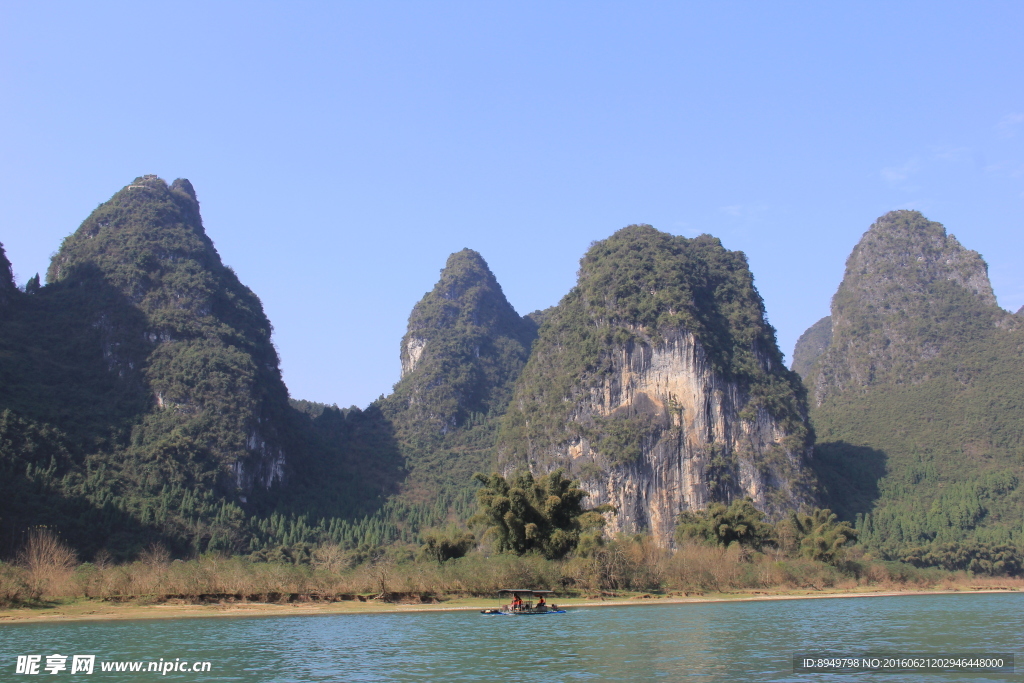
(545,514)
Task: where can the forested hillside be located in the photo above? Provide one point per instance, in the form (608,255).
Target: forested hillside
(141,400)
(141,394)
(918,400)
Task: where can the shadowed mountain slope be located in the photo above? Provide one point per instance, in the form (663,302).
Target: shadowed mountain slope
(146,371)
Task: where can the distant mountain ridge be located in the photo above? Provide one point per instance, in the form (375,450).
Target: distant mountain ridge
(141,399)
(811,345)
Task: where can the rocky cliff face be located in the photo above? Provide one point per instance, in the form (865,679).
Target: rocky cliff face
(657,381)
(177,322)
(893,309)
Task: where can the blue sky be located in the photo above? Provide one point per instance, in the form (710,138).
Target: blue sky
(341,151)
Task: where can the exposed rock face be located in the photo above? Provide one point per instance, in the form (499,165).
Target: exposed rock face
(464,347)
(892,310)
(811,345)
(411,353)
(7,286)
(658,382)
(176,321)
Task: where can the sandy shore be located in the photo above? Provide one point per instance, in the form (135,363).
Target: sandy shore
(95,610)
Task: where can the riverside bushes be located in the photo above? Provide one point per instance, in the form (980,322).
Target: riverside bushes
(622,565)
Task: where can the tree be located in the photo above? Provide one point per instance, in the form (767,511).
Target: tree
(446,545)
(980,558)
(525,514)
(740,522)
(32,286)
(821,535)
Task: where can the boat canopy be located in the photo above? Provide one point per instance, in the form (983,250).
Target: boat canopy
(524,591)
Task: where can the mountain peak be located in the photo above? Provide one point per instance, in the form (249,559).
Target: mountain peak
(464,345)
(463,271)
(163,221)
(467,300)
(180,323)
(909,290)
(184,186)
(905,247)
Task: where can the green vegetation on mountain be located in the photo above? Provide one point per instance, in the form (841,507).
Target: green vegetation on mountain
(811,345)
(642,284)
(7,286)
(182,326)
(909,292)
(918,400)
(463,351)
(147,366)
(141,402)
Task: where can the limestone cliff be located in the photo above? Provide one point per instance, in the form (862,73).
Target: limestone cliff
(892,310)
(174,321)
(658,382)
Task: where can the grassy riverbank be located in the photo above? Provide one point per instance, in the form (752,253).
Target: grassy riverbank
(631,571)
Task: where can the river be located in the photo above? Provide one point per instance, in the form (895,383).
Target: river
(721,641)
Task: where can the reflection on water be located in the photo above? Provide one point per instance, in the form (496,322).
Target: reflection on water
(745,641)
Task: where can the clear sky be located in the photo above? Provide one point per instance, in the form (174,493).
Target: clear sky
(341,151)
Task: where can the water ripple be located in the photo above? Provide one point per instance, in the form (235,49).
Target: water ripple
(749,641)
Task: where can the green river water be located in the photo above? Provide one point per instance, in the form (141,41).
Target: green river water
(725,641)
